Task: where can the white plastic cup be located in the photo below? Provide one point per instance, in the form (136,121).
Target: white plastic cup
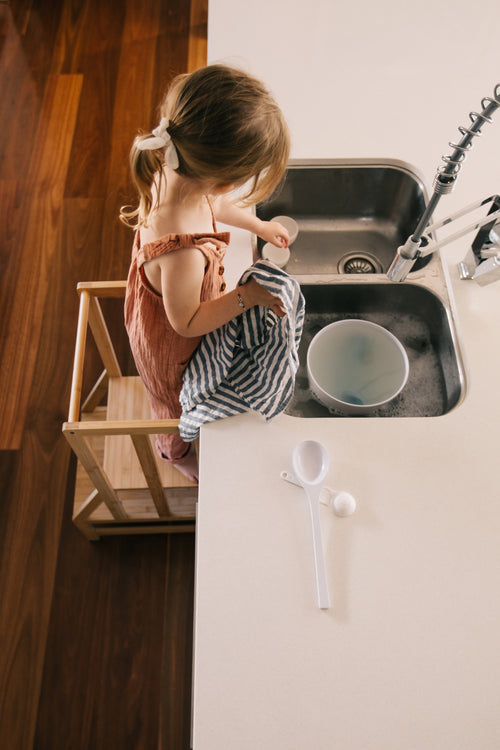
(278,255)
(290,225)
(355,366)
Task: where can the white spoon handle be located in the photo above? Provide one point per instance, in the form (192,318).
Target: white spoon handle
(319,560)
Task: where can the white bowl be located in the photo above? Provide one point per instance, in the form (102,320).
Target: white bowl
(355,366)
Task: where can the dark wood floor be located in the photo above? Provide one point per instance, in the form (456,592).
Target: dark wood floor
(95,638)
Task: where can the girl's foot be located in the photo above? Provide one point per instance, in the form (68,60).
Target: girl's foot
(189,465)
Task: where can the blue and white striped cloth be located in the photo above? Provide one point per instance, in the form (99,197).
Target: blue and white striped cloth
(249,363)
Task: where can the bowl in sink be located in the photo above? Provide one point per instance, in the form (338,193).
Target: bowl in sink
(416,316)
(355,366)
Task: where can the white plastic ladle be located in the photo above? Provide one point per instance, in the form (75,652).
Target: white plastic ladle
(310,463)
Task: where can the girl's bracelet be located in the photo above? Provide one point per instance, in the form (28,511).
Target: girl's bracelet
(241,301)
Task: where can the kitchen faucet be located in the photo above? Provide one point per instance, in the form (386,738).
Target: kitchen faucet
(482,262)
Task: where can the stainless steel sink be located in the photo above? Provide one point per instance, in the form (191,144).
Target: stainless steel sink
(416,316)
(352,215)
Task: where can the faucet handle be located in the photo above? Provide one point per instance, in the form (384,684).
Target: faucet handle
(483,272)
(487,239)
(482,262)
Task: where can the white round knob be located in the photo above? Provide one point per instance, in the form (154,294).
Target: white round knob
(343,504)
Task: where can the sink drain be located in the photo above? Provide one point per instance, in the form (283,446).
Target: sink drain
(359,263)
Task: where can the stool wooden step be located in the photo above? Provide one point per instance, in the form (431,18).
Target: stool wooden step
(127,400)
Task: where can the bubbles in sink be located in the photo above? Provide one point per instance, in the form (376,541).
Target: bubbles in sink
(425,392)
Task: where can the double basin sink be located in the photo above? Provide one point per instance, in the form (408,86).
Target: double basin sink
(352,216)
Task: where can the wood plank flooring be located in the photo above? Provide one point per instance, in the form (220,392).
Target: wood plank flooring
(95,638)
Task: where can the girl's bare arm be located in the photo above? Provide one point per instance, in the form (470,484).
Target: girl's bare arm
(229,213)
(182,274)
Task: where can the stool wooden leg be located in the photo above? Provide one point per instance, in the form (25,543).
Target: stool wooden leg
(103,339)
(146,458)
(90,463)
(96,395)
(80,519)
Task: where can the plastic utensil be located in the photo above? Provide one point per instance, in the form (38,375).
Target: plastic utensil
(342,502)
(310,463)
(278,255)
(290,225)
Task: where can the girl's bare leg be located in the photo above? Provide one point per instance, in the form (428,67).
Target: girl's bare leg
(188,465)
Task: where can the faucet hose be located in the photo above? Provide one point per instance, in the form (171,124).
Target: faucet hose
(444,180)
(446,175)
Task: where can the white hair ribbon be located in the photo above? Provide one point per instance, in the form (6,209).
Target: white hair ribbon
(161,139)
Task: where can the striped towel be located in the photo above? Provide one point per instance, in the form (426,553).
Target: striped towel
(249,363)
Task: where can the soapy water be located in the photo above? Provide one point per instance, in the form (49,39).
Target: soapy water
(424,394)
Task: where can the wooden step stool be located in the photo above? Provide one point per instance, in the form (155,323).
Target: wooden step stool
(122,486)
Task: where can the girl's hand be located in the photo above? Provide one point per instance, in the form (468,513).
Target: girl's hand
(274,232)
(255,294)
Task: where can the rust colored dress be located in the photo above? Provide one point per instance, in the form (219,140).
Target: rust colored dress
(160,354)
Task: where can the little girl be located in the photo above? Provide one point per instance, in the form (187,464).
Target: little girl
(220,129)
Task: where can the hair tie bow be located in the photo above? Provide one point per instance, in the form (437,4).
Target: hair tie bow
(161,139)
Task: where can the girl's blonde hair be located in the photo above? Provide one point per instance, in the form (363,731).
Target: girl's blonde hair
(226,128)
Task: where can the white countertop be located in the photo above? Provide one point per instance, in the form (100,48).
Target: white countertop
(408,655)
